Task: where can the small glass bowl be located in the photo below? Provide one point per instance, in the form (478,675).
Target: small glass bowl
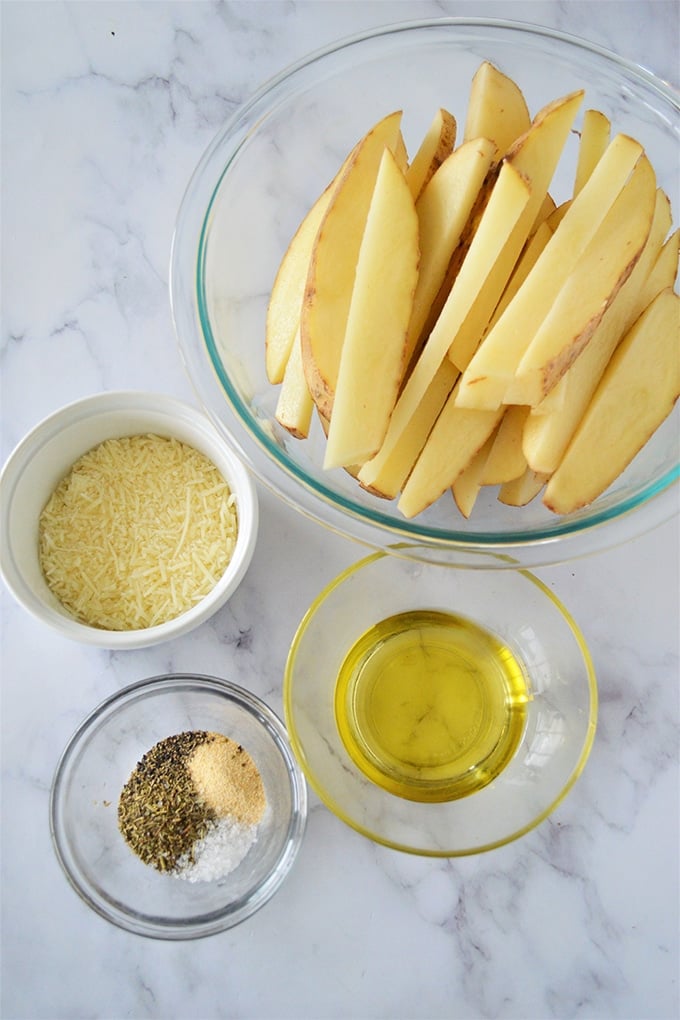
(558,729)
(258,178)
(97,763)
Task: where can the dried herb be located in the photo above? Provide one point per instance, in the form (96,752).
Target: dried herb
(160,814)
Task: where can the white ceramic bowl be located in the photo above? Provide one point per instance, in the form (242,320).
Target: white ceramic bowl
(46,454)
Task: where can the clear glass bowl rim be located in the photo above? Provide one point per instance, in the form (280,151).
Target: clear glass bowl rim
(557,541)
(233,914)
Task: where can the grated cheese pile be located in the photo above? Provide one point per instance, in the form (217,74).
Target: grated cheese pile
(140,530)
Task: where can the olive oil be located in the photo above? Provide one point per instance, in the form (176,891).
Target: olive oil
(431,706)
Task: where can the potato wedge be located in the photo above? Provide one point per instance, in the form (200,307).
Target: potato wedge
(487,377)
(588,291)
(656,270)
(550,426)
(458,256)
(285,302)
(386,473)
(558,214)
(664,271)
(444,209)
(400,153)
(436,146)
(506,460)
(295,405)
(496,108)
(467,486)
(328,287)
(636,393)
(351,469)
(547,209)
(525,264)
(507,202)
(534,157)
(520,491)
(458,434)
(374,345)
(595,137)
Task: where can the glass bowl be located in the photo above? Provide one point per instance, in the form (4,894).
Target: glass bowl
(258,178)
(97,763)
(467,786)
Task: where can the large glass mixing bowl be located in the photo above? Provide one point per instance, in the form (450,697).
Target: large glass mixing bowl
(253,186)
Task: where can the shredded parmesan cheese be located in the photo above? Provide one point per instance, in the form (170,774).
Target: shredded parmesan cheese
(140,530)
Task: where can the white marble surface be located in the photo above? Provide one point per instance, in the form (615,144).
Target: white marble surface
(106,107)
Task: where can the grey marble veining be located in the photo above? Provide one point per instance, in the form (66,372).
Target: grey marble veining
(106,110)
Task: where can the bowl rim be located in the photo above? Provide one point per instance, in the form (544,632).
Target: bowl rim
(558,540)
(666,89)
(342,813)
(142,402)
(243,908)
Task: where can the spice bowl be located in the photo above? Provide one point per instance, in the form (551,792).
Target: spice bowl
(45,456)
(96,766)
(438,711)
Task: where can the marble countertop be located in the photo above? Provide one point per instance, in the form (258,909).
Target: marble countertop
(106,108)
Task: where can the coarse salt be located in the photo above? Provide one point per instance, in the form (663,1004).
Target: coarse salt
(218,853)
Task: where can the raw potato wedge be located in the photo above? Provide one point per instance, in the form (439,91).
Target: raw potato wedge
(520,491)
(400,153)
(595,136)
(558,214)
(528,259)
(285,302)
(664,271)
(498,112)
(526,263)
(373,348)
(589,290)
(534,158)
(460,322)
(548,429)
(459,255)
(457,436)
(444,209)
(496,109)
(294,406)
(507,202)
(351,469)
(386,473)
(328,288)
(636,393)
(639,290)
(547,209)
(506,460)
(467,486)
(492,369)
(436,146)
